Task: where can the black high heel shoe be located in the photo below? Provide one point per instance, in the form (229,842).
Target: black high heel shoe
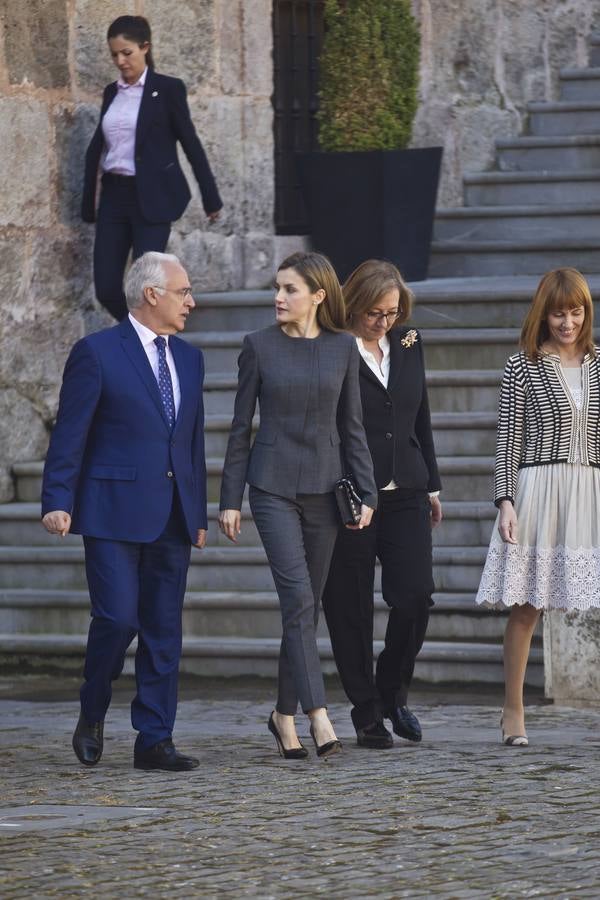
(327,749)
(296,753)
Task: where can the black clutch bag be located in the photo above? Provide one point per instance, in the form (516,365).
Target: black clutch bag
(348,501)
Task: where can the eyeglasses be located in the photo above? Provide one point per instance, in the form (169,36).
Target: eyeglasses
(389,317)
(184,293)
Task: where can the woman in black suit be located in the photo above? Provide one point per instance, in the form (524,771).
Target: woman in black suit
(142,118)
(398,427)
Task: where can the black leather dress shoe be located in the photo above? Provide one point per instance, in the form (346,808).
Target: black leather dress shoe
(405,723)
(375,737)
(88,741)
(164,756)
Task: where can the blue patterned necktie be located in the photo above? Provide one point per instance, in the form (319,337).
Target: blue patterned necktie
(165,385)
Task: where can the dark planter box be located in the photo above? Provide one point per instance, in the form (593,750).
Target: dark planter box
(378,204)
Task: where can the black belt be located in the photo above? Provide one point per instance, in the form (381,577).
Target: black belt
(123,179)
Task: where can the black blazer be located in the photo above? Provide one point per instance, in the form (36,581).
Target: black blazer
(397,420)
(164,119)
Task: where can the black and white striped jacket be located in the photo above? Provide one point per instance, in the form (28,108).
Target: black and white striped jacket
(538,422)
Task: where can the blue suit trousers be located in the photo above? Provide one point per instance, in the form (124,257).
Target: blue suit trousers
(137,589)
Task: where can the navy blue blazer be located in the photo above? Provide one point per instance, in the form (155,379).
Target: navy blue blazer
(113,461)
(164,119)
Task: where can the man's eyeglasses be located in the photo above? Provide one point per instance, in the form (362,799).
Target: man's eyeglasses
(184,293)
(389,317)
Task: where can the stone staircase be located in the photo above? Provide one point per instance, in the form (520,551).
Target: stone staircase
(539,208)
(231,617)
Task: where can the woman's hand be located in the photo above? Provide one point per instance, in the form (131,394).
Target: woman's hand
(229,523)
(507,524)
(436,511)
(366,514)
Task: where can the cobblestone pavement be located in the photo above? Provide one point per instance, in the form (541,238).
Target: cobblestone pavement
(456,816)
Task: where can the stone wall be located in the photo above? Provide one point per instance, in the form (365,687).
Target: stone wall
(482,61)
(53,66)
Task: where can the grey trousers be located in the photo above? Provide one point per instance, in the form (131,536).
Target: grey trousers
(298,537)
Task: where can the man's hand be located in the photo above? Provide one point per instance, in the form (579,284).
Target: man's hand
(213,216)
(57,522)
(201,539)
(366,514)
(230,523)
(507,524)
(436,511)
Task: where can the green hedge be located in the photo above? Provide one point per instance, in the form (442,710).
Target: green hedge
(369,74)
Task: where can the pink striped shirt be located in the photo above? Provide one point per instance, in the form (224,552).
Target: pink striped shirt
(118,127)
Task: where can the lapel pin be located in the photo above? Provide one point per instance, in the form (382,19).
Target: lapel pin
(155,93)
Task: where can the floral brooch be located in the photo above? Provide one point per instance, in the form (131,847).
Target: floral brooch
(409,338)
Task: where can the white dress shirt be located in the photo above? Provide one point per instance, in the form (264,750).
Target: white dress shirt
(147,337)
(382,371)
(119,125)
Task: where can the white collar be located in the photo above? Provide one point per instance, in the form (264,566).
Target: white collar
(139,83)
(145,334)
(384,346)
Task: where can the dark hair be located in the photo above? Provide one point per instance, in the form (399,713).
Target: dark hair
(135,29)
(318,273)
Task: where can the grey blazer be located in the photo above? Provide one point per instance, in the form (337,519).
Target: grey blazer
(310,413)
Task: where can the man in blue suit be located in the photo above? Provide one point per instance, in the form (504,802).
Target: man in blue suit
(126,469)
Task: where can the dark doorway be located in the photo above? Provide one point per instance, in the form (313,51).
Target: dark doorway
(297,41)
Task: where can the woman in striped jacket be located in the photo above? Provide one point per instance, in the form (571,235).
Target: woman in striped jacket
(547,483)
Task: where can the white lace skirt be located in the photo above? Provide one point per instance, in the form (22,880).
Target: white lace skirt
(556,563)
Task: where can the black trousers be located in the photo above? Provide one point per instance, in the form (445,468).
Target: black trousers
(400,537)
(121,228)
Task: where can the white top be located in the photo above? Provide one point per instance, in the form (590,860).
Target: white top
(119,124)
(381,371)
(573,377)
(146,336)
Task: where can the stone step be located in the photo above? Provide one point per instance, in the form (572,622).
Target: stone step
(532,188)
(28,476)
(487,223)
(594,42)
(564,117)
(445,348)
(449,390)
(549,153)
(219,394)
(238,614)
(524,257)
(456,569)
(439,302)
(464,434)
(233,311)
(580,84)
(455,433)
(438,661)
(466,523)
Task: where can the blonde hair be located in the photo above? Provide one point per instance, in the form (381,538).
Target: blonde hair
(368,283)
(318,273)
(564,288)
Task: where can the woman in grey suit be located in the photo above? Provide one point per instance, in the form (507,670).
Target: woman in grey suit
(303,370)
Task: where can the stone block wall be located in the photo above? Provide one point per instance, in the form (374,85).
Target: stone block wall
(482,61)
(54,64)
